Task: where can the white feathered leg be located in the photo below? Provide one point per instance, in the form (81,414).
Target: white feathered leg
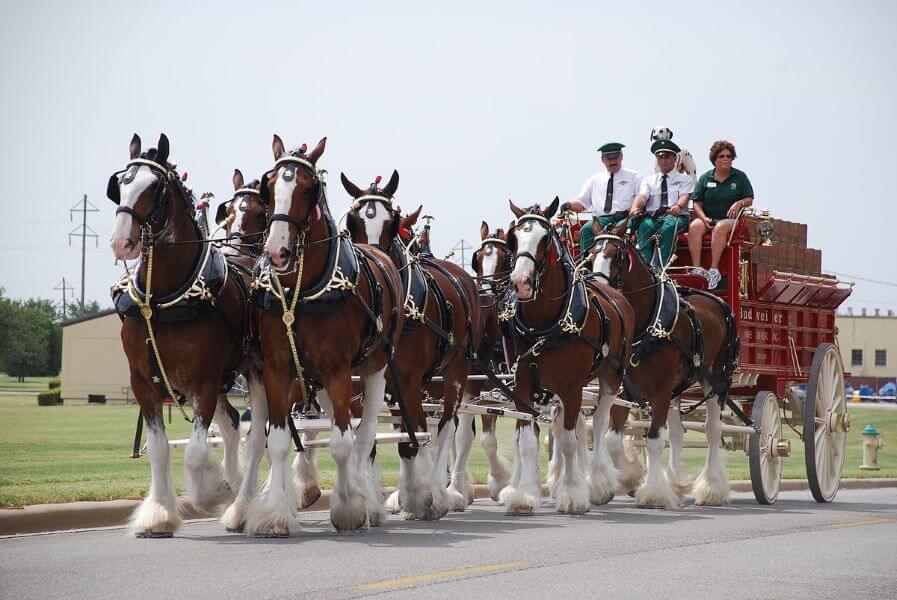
(524,497)
(349,503)
(460,490)
(602,477)
(556,463)
(631,469)
(158,514)
(271,511)
(439,474)
(572,492)
(204,476)
(230,434)
(655,491)
(234,518)
(498,468)
(676,474)
(365,435)
(712,486)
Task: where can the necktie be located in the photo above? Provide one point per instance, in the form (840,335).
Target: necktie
(664,199)
(609,198)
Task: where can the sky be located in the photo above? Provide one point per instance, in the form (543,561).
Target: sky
(472,102)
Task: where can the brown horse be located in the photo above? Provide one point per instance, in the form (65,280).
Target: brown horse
(443,328)
(182,331)
(667,364)
(574,330)
(492,264)
(327,306)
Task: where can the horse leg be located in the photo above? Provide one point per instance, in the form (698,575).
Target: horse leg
(350,503)
(206,487)
(675,470)
(572,492)
(556,463)
(522,497)
(631,469)
(712,485)
(234,518)
(270,511)
(157,515)
(655,491)
(603,475)
(455,375)
(498,468)
(228,420)
(305,471)
(461,487)
(365,436)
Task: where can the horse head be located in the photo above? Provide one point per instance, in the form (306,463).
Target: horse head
(291,190)
(372,218)
(492,260)
(616,259)
(532,242)
(141,191)
(244,216)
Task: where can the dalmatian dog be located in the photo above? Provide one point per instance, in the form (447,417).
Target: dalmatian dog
(685,163)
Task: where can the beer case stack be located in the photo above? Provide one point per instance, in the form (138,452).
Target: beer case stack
(787,254)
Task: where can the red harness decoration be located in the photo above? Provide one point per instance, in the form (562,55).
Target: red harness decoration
(553,255)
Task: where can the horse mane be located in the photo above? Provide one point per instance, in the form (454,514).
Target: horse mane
(151,155)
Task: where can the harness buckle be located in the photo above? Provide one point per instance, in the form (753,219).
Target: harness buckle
(288,318)
(146,311)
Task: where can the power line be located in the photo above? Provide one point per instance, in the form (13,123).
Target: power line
(83,231)
(866,279)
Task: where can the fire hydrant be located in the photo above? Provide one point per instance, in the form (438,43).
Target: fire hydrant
(872,442)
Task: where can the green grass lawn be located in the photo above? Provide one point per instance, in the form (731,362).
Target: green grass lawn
(65,453)
(38,384)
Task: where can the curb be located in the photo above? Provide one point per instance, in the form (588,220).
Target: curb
(42,518)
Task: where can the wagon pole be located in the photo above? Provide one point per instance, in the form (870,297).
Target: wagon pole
(83,231)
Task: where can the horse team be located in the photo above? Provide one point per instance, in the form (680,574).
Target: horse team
(298,305)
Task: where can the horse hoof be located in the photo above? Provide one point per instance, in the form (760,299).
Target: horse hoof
(311,496)
(276,533)
(149,534)
(520,512)
(238,529)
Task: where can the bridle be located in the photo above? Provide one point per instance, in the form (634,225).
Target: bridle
(539,265)
(502,271)
(292,161)
(166,178)
(622,258)
(371,211)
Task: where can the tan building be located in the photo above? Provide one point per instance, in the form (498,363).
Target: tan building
(93,362)
(868,343)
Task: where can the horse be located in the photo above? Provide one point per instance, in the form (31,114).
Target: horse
(183,324)
(492,264)
(574,330)
(326,307)
(683,336)
(443,328)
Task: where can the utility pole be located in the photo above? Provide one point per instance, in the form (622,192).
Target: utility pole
(64,286)
(461,246)
(83,231)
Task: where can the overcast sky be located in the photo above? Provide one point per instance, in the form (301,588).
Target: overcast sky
(473,103)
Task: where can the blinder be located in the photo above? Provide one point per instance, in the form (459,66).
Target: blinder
(221,213)
(113,190)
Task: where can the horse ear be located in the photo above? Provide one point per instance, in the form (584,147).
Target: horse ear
(501,234)
(134,148)
(411,219)
(238,179)
(620,230)
(318,151)
(221,214)
(552,208)
(518,212)
(484,230)
(277,147)
(162,150)
(350,187)
(353,224)
(391,187)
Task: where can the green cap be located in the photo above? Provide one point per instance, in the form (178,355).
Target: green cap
(870,430)
(664,146)
(611,147)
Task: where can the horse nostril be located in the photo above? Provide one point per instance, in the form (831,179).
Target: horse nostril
(284,253)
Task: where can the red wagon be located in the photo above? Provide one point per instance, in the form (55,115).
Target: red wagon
(785,308)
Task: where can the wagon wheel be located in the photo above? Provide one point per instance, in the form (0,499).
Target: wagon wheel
(825,423)
(766,448)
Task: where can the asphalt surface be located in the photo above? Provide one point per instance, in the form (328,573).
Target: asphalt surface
(794,549)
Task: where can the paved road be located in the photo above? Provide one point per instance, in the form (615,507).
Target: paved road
(796,549)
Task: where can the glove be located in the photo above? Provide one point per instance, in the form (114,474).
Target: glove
(564,207)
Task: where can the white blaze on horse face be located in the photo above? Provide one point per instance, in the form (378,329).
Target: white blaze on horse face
(124,244)
(528,237)
(602,263)
(489,264)
(374,218)
(279,234)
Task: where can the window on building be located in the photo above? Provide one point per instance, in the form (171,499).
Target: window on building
(856,357)
(881,358)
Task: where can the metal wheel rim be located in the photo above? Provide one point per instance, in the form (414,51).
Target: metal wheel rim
(825,442)
(770,434)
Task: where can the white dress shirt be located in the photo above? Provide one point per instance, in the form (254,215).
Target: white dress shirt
(677,185)
(594,191)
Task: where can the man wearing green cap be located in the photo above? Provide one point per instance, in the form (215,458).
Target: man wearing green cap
(608,194)
(664,196)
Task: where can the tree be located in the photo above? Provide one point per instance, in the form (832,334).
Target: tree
(74,310)
(30,337)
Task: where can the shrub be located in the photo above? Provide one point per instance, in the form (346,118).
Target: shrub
(50,398)
(55,383)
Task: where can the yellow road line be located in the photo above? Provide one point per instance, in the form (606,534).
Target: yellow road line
(442,575)
(860,523)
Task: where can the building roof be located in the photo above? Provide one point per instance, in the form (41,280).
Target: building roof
(102,313)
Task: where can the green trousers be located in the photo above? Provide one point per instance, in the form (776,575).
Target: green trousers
(587,236)
(667,226)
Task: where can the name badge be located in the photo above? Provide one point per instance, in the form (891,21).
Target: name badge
(732,186)
(711,184)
